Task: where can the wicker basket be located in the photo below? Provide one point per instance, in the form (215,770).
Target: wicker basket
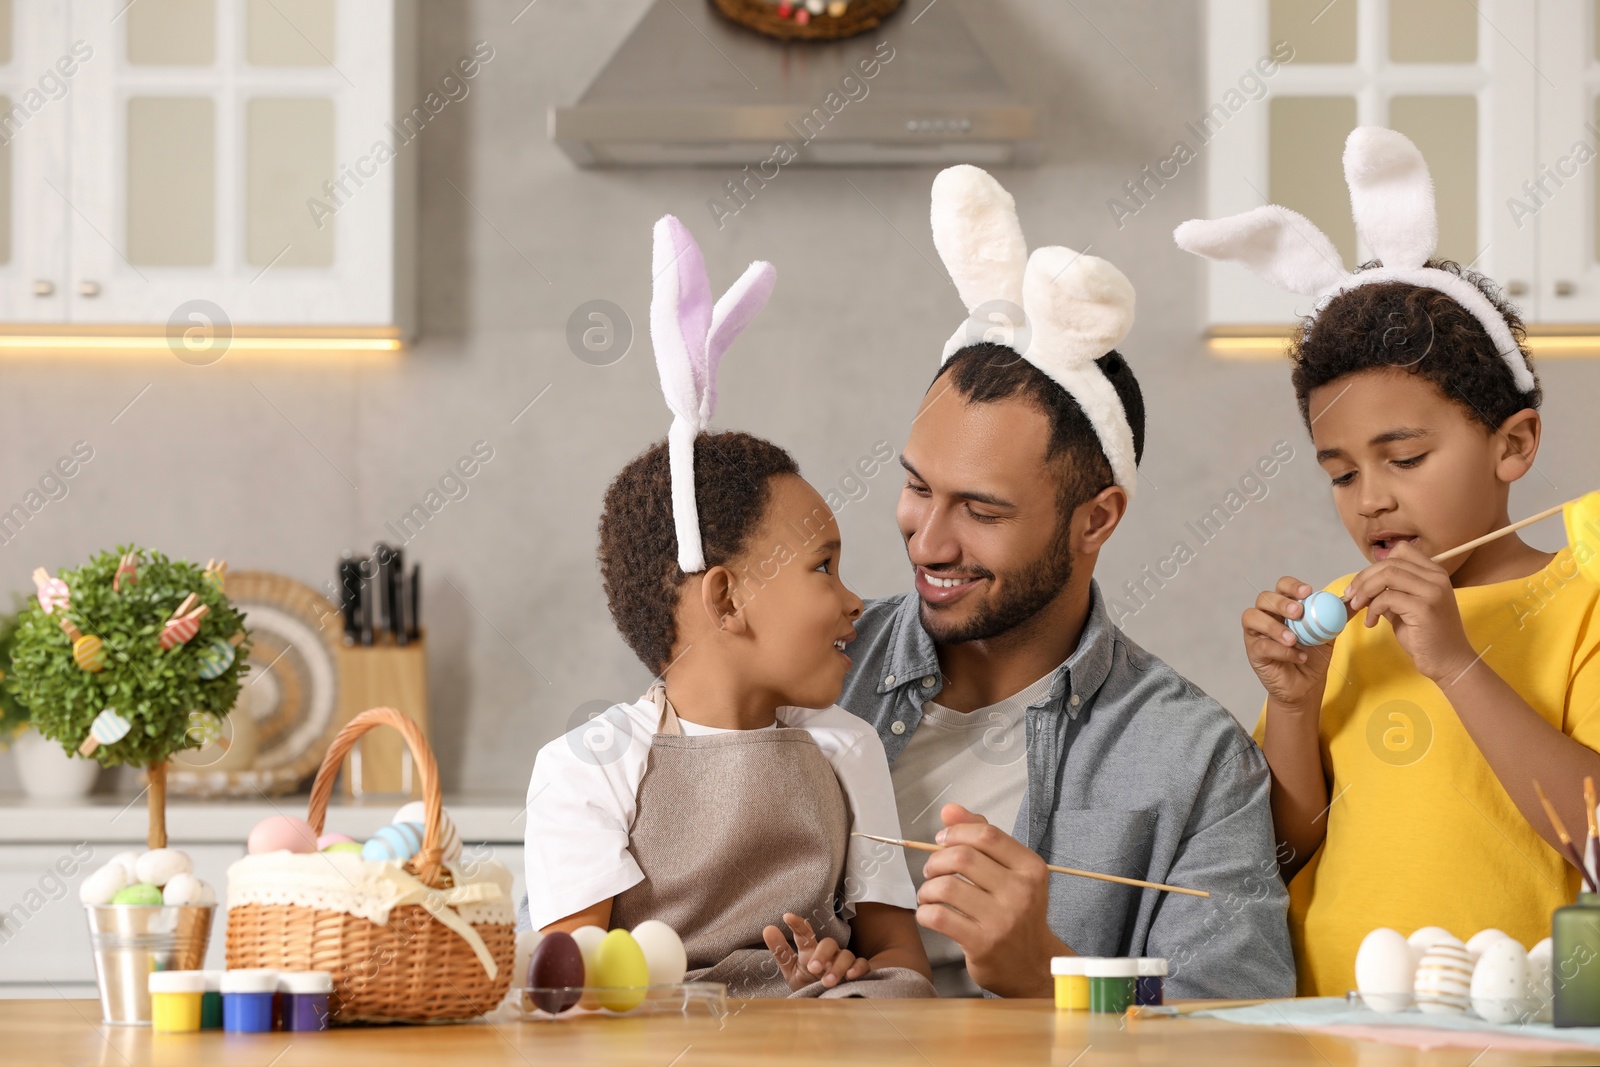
(762,16)
(413,968)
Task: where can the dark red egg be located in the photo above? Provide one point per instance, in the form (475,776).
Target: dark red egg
(555,973)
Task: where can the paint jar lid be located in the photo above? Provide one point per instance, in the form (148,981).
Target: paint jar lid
(1152,967)
(1111,967)
(305,982)
(1067,965)
(177,982)
(249,981)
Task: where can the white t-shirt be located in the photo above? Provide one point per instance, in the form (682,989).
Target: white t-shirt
(583,798)
(975,759)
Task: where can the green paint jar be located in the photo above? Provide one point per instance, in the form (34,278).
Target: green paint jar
(1112,983)
(1575,962)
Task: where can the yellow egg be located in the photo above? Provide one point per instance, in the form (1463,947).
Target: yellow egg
(621,972)
(1582,518)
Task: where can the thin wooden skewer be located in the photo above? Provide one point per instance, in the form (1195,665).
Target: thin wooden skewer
(1519,524)
(923,846)
(1566,840)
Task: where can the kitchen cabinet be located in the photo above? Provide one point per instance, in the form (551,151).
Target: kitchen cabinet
(220,156)
(44,936)
(1500,96)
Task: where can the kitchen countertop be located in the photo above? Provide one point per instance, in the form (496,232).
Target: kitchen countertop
(883,1033)
(114,819)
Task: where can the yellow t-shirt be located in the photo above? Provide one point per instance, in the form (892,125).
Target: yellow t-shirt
(1420,831)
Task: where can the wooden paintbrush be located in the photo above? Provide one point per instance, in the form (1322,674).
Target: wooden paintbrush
(1566,839)
(1591,852)
(923,846)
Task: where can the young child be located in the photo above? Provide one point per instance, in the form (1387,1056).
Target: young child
(1404,754)
(722,801)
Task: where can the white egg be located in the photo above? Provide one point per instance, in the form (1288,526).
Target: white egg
(588,939)
(1500,983)
(1424,939)
(128,861)
(663,952)
(102,885)
(205,894)
(449,836)
(1444,980)
(159,865)
(181,889)
(1542,992)
(1483,939)
(527,941)
(1384,971)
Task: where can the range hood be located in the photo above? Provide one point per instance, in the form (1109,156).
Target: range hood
(689,88)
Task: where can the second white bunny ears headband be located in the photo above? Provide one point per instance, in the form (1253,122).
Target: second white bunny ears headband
(689,335)
(1391,198)
(1074,308)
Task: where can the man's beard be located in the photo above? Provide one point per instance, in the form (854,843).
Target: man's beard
(1031,589)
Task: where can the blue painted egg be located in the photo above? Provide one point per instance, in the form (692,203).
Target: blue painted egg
(1325,616)
(214,659)
(398,841)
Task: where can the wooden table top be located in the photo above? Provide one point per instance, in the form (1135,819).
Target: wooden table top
(769,1033)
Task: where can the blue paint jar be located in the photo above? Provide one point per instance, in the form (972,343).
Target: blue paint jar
(247,1001)
(303,999)
(1152,978)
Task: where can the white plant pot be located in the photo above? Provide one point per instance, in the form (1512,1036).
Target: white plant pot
(48,772)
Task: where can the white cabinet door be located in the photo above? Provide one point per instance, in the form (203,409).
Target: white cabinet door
(40,71)
(1557,193)
(226,152)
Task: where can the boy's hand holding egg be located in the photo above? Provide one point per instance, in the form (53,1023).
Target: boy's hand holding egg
(1294,674)
(1414,593)
(811,960)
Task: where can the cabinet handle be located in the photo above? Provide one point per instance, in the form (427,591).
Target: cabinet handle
(1565,288)
(44,287)
(1516,287)
(88,288)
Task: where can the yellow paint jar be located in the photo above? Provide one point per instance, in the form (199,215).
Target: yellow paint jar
(1072,984)
(175,1000)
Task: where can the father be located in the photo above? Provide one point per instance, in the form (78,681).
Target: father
(1004,695)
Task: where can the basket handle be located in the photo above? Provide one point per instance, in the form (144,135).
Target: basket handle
(427,863)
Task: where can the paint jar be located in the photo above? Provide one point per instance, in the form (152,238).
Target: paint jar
(1072,987)
(303,999)
(211,1001)
(1152,977)
(1112,981)
(1575,962)
(247,1001)
(175,1000)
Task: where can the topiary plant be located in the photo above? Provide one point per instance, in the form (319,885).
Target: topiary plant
(13,714)
(97,650)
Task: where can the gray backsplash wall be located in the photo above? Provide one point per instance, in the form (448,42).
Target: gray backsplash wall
(277,465)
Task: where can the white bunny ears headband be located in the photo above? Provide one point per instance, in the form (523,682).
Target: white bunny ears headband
(690,335)
(1391,198)
(1074,308)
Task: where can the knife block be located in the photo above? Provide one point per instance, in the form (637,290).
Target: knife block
(383,675)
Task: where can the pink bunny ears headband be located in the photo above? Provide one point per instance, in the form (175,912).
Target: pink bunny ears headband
(1073,308)
(690,335)
(1391,198)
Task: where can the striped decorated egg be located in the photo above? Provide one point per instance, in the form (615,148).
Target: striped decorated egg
(1444,980)
(214,659)
(398,841)
(89,652)
(449,836)
(108,727)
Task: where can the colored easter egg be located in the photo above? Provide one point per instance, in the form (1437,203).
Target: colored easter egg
(281,833)
(352,848)
(53,592)
(142,893)
(449,836)
(620,971)
(214,659)
(159,865)
(1384,971)
(103,885)
(89,653)
(1444,980)
(663,951)
(108,727)
(1501,982)
(397,841)
(334,839)
(555,973)
(1325,616)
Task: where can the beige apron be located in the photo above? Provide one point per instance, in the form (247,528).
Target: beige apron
(734,829)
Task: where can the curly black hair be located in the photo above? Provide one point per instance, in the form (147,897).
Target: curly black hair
(733,475)
(1421,331)
(986,372)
